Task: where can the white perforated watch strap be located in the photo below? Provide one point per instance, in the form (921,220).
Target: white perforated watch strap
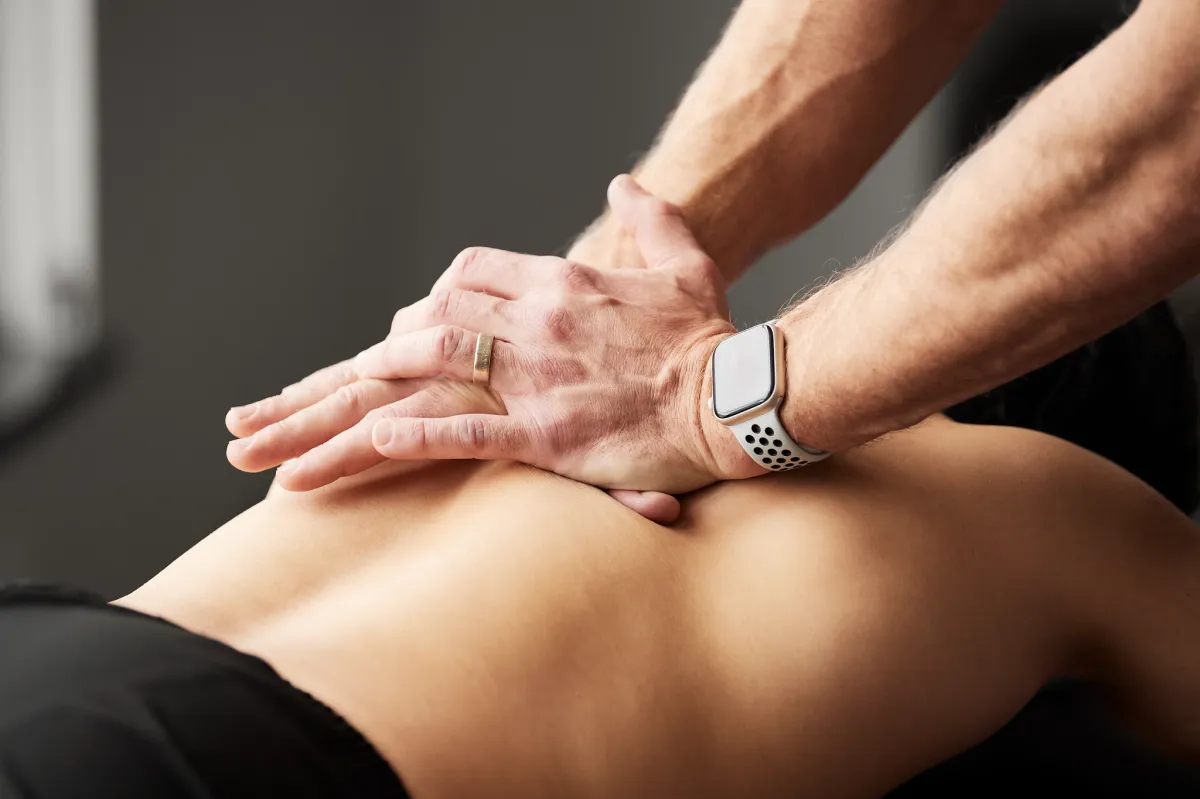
(765,440)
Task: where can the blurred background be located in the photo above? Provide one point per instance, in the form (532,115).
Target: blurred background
(201,202)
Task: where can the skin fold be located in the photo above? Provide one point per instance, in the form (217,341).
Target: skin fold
(496,630)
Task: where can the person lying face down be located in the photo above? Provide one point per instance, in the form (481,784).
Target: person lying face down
(475,629)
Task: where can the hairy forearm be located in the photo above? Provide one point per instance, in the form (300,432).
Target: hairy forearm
(795,104)
(1078,214)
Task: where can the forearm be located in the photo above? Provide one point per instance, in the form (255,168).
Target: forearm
(795,104)
(1078,214)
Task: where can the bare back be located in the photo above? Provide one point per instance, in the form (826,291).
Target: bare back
(496,630)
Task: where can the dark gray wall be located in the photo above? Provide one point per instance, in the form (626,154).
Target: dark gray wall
(278,176)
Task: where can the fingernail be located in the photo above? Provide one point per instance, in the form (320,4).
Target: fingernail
(237,447)
(381,435)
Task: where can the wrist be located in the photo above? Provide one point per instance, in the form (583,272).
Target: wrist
(804,412)
(719,453)
(728,457)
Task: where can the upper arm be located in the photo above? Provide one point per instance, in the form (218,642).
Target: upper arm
(1129,564)
(1163,37)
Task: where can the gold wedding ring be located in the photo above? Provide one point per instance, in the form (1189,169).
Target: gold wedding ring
(482,370)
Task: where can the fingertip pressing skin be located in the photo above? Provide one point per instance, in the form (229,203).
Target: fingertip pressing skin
(653,505)
(290,478)
(347,453)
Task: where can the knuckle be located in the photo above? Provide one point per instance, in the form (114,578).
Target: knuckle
(442,303)
(349,397)
(472,433)
(554,320)
(448,341)
(705,271)
(270,407)
(467,260)
(343,371)
(577,277)
(387,357)
(334,467)
(420,435)
(276,434)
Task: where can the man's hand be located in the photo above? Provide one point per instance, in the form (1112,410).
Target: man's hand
(602,374)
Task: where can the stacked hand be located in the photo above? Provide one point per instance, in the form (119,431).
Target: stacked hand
(599,375)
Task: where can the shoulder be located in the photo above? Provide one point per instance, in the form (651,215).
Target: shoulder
(1026,485)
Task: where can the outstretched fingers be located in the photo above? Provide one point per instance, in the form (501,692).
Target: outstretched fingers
(352,451)
(249,419)
(312,426)
(347,453)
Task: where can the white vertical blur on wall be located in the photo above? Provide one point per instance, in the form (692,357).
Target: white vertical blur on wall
(48,239)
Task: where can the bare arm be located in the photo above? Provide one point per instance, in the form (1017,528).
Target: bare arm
(1079,213)
(796,103)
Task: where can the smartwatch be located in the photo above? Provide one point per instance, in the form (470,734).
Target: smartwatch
(747,389)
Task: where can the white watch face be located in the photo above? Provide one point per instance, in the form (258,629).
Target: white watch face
(743,371)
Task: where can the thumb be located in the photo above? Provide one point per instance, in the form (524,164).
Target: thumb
(656,225)
(654,505)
